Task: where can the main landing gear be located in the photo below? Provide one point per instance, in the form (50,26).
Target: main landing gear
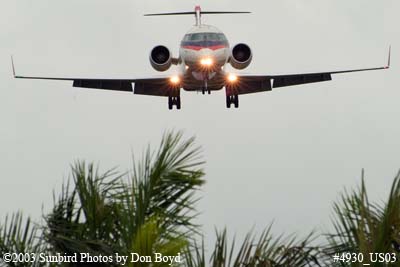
(232,99)
(174,101)
(204,90)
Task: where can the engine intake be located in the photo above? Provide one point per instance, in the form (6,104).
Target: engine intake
(160,58)
(241,56)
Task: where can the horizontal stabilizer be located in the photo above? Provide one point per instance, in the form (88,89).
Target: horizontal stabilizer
(197,13)
(194,13)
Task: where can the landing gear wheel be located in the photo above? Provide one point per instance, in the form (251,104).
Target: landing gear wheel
(209,91)
(170,103)
(203,91)
(178,102)
(228,101)
(232,99)
(236,101)
(174,101)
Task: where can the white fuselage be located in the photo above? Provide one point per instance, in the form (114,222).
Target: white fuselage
(204,51)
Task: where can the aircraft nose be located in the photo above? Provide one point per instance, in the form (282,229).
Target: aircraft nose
(206,58)
(205,52)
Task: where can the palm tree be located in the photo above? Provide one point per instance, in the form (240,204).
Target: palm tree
(264,251)
(146,210)
(151,210)
(19,236)
(364,227)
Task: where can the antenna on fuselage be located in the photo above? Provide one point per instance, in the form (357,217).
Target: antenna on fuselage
(197,13)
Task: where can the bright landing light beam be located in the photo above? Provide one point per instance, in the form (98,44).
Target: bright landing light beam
(232,78)
(175,80)
(206,62)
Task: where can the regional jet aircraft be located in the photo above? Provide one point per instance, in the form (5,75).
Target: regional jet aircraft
(203,56)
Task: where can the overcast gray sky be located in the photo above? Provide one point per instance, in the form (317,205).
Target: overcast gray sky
(283,156)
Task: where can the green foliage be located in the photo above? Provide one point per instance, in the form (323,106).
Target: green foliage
(163,186)
(151,209)
(106,213)
(20,236)
(84,219)
(363,227)
(265,251)
(149,240)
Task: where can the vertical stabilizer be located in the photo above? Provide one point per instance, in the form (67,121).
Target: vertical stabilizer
(197,12)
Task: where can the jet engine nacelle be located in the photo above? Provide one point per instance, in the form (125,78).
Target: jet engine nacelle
(160,58)
(241,56)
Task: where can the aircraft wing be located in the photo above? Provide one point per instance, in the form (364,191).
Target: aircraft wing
(258,83)
(151,86)
(297,79)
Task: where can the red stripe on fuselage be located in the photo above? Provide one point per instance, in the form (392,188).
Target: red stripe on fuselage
(197,48)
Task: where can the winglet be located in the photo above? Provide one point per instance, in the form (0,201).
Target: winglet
(13,66)
(388,64)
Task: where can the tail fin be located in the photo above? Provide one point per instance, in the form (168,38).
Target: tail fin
(197,12)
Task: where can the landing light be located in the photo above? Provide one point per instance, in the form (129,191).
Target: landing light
(175,80)
(207,62)
(232,78)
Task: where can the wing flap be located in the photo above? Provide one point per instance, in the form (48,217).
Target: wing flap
(290,80)
(250,84)
(117,85)
(155,87)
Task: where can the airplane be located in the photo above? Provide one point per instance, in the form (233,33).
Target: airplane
(203,56)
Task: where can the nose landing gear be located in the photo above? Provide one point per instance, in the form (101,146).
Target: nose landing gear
(205,88)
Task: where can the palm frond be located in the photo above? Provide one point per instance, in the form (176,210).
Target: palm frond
(264,251)
(84,218)
(163,184)
(150,240)
(106,212)
(364,227)
(19,235)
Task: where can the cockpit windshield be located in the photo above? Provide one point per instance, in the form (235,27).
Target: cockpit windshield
(204,39)
(205,36)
